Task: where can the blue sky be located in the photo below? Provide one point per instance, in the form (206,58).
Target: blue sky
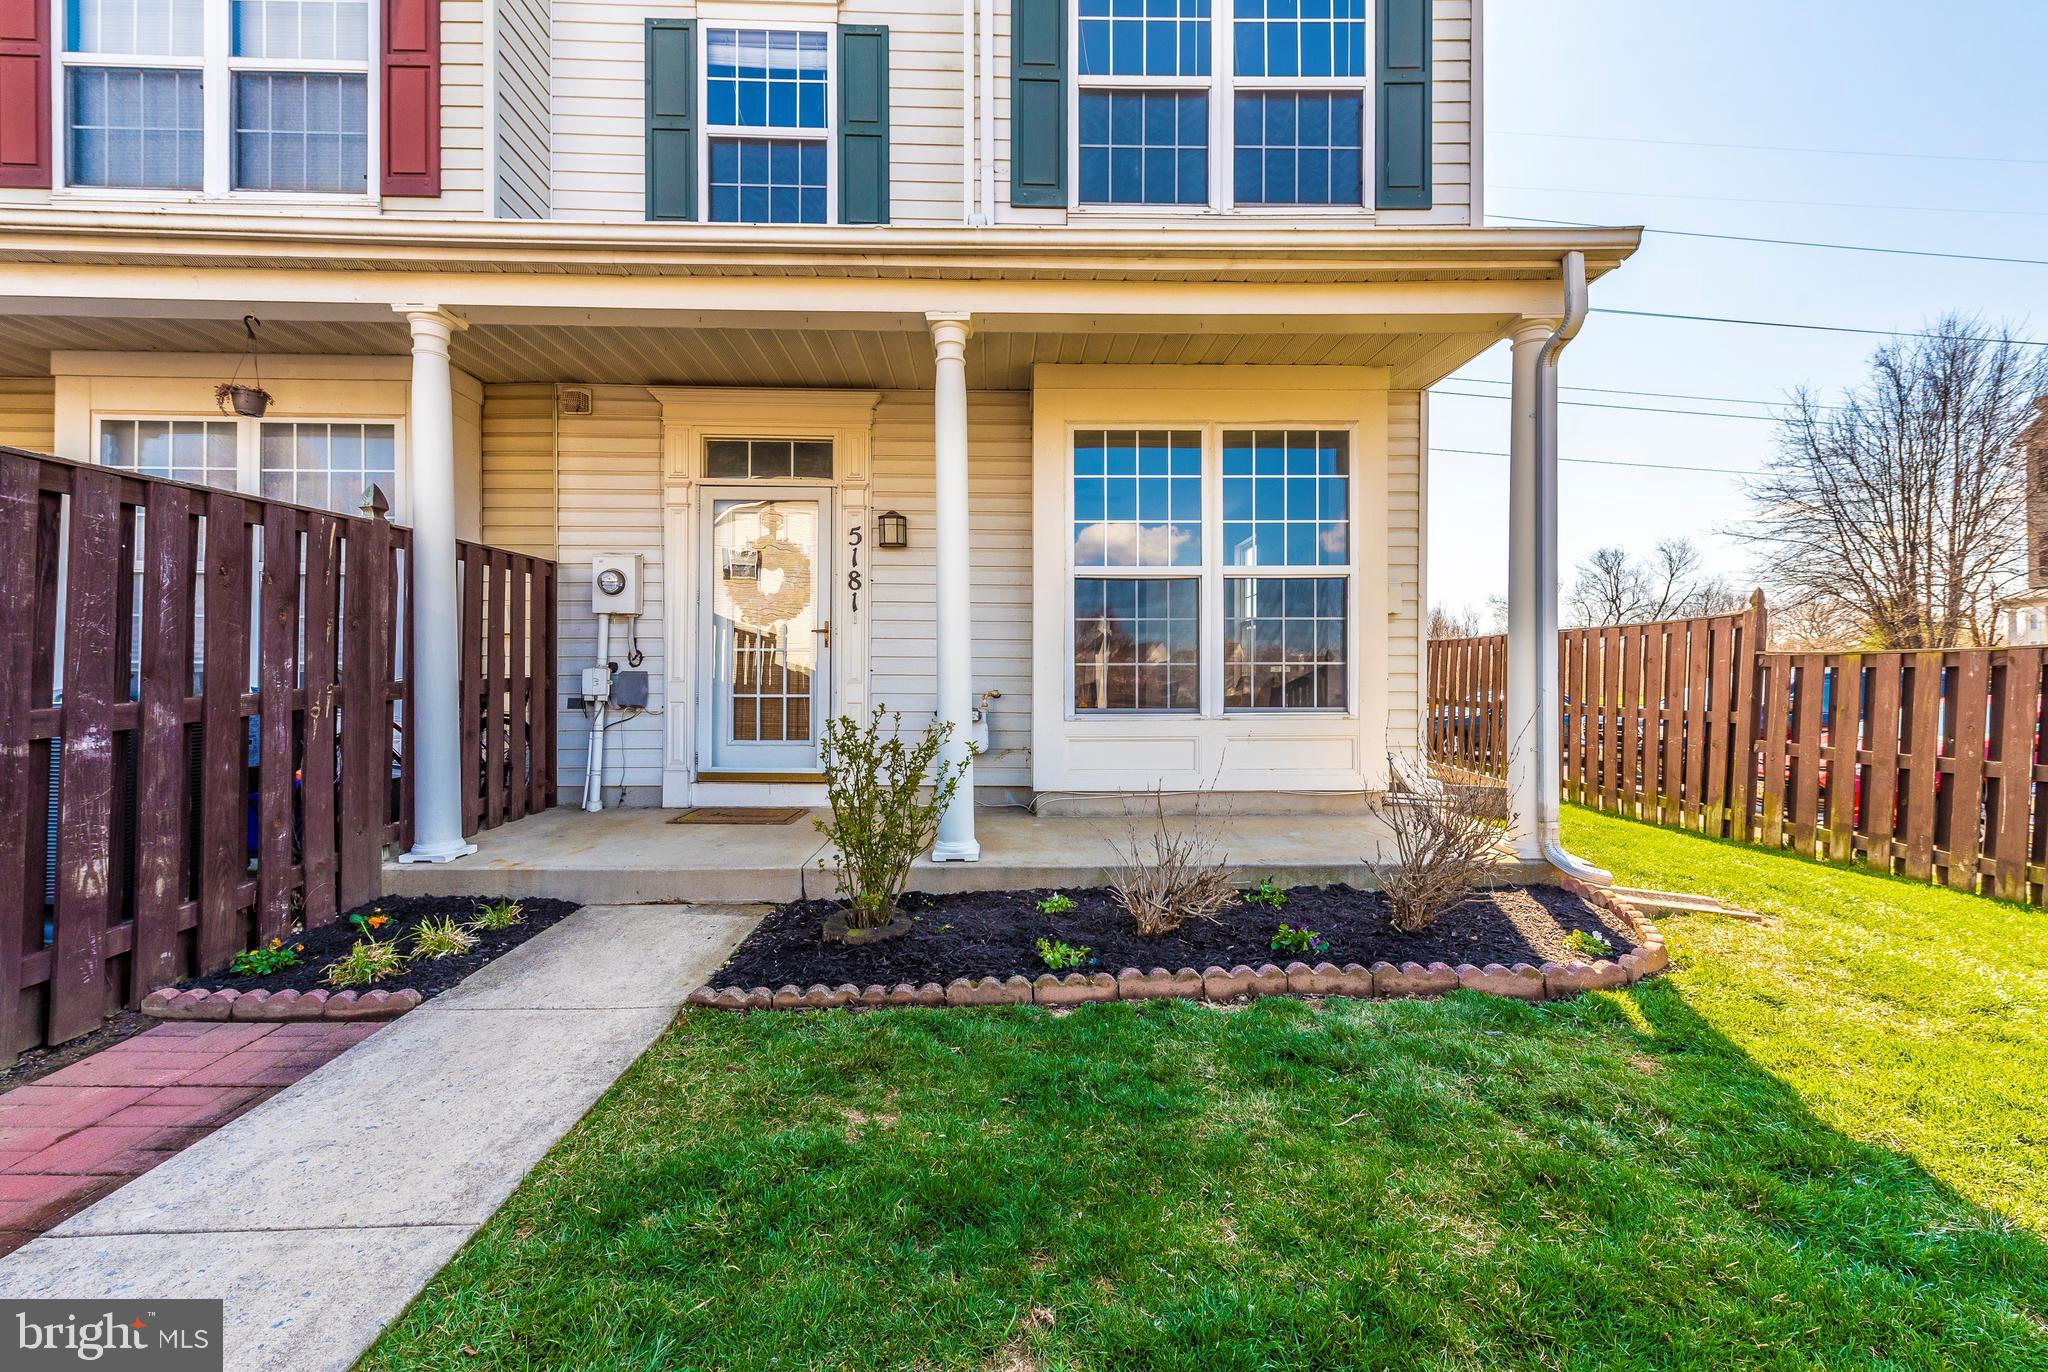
(1968,78)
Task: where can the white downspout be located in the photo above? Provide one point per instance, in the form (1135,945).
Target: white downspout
(969,175)
(1549,831)
(988,111)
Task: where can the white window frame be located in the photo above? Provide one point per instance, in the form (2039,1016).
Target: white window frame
(216,65)
(770,22)
(1221,86)
(1213,571)
(249,447)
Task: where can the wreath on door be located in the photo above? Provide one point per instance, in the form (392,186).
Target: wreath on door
(775,585)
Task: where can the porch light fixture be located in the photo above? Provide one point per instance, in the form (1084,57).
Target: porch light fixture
(892,530)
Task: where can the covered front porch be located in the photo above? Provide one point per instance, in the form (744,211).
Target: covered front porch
(644,855)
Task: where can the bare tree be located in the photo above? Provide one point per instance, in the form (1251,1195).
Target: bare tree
(1901,509)
(1612,586)
(1444,622)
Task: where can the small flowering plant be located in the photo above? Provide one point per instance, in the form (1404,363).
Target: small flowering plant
(274,956)
(369,925)
(1288,939)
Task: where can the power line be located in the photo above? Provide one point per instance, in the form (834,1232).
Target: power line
(1602,462)
(1653,395)
(1632,409)
(1775,147)
(1758,200)
(1791,242)
(1813,328)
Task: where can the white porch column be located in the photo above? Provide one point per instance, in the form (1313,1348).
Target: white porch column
(1525,593)
(955,646)
(434,666)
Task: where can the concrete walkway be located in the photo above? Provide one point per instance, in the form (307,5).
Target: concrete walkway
(319,1214)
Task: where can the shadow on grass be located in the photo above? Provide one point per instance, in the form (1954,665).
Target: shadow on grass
(1470,1183)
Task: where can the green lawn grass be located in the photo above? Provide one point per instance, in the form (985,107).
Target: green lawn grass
(1806,1147)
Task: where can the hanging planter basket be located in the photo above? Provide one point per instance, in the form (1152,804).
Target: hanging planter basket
(231,396)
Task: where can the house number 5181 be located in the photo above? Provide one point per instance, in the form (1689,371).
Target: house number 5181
(853,581)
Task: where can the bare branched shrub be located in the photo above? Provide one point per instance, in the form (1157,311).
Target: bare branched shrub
(1170,876)
(1444,842)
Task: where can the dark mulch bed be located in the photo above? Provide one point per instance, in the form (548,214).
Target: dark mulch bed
(995,933)
(429,976)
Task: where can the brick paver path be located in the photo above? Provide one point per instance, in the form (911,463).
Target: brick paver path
(78,1133)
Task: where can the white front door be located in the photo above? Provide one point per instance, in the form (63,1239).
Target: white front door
(769,629)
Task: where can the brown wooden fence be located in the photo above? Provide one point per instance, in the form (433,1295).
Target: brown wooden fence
(1926,764)
(203,735)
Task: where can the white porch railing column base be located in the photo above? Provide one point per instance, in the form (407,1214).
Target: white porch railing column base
(955,644)
(432,663)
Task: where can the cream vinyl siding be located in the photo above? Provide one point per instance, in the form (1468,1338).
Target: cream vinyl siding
(600,116)
(519,468)
(520,110)
(1404,525)
(610,500)
(28,412)
(902,658)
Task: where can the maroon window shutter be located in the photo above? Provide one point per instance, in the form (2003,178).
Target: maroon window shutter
(24,93)
(412,96)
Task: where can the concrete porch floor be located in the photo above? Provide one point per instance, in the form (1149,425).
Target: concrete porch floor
(636,856)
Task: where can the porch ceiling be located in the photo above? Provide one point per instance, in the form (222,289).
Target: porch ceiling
(894,359)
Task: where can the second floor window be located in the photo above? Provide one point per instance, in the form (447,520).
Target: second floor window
(767,125)
(1176,106)
(217,95)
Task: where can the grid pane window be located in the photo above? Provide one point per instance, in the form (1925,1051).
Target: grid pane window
(1284,643)
(765,79)
(1299,38)
(302,131)
(307,30)
(1286,498)
(1137,498)
(767,181)
(134,127)
(138,28)
(1144,148)
(1144,38)
(1136,644)
(1299,149)
(767,459)
(326,465)
(201,451)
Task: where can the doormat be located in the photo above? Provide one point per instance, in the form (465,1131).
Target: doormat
(741,814)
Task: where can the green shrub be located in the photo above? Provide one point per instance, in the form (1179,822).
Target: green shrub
(1588,944)
(275,956)
(883,815)
(1267,893)
(440,938)
(499,914)
(367,960)
(1056,904)
(1287,939)
(1060,956)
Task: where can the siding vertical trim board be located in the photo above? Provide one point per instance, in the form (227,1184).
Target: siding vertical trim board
(671,148)
(1405,118)
(863,124)
(411,87)
(25,145)
(1038,103)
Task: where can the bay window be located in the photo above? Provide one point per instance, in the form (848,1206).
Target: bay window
(1245,530)
(1175,107)
(217,96)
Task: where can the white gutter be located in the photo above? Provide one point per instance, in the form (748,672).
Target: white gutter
(1549,831)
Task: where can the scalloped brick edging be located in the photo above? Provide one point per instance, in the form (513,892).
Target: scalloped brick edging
(1382,980)
(171,1003)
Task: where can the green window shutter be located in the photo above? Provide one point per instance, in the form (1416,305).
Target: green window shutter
(671,119)
(1403,108)
(1038,102)
(863,124)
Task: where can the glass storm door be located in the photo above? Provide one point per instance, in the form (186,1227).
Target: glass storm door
(770,630)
